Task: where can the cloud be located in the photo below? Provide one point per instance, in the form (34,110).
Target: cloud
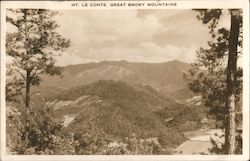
(69,59)
(100,28)
(132,35)
(145,52)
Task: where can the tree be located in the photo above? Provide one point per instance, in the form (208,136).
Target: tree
(33,45)
(220,82)
(231,81)
(14,85)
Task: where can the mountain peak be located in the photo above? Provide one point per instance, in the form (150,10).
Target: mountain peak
(176,61)
(167,75)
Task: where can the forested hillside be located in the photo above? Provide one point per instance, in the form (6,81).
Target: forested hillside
(166,78)
(118,110)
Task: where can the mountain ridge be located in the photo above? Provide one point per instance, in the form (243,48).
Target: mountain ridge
(118,109)
(166,77)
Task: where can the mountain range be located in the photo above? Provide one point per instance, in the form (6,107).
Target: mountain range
(121,98)
(167,78)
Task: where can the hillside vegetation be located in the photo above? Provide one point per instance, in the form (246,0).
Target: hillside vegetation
(166,77)
(119,110)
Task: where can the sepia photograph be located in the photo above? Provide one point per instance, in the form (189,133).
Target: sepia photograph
(123,82)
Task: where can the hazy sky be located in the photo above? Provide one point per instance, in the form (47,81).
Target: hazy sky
(132,35)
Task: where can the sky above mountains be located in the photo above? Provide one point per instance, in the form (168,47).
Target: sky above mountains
(133,35)
(147,35)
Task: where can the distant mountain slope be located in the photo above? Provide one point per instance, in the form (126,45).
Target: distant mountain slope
(117,108)
(165,77)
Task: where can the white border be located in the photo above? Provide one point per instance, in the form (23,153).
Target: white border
(186,4)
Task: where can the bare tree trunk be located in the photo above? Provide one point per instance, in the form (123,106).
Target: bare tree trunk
(27,92)
(231,81)
(28,79)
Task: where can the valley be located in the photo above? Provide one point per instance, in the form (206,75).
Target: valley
(119,99)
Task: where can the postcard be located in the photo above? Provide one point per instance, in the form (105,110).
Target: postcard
(125,80)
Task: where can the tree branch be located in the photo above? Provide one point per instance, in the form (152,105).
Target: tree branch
(35,93)
(21,74)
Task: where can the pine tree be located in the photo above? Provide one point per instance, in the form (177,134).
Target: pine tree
(218,81)
(33,45)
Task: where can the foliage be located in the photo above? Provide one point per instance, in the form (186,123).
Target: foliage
(183,116)
(170,137)
(219,148)
(36,133)
(94,130)
(137,146)
(62,145)
(33,45)
(220,83)
(36,33)
(91,143)
(14,85)
(120,112)
(104,145)
(208,75)
(13,127)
